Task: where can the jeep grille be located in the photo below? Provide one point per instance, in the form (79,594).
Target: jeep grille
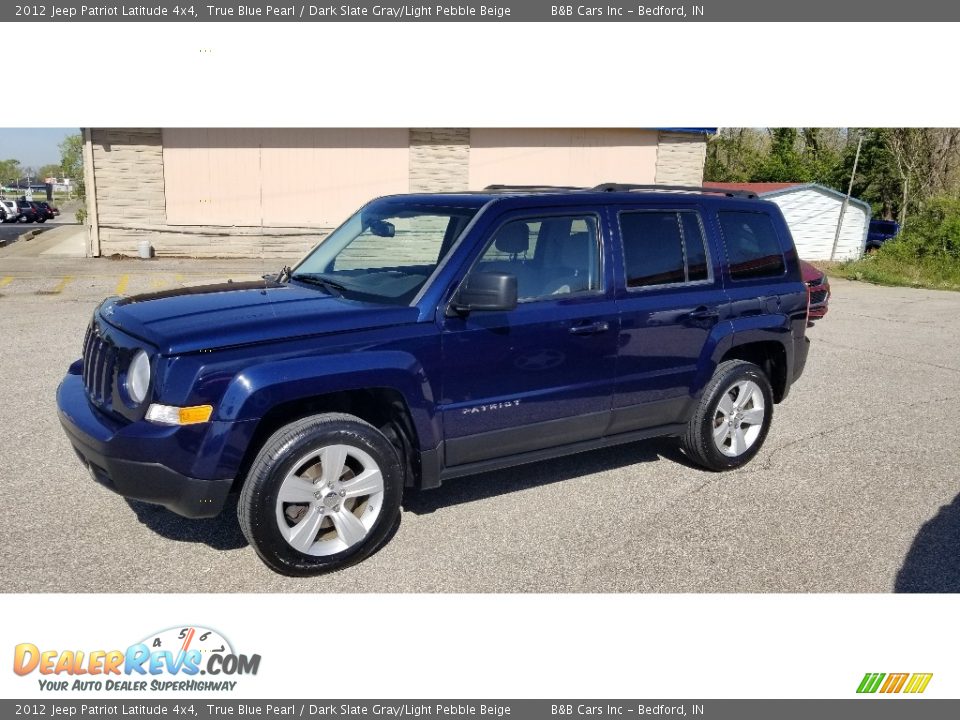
(99,366)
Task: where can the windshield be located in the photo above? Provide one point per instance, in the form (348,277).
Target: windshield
(386,252)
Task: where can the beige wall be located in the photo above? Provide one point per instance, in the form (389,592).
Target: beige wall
(275,192)
(680,158)
(279,177)
(561,156)
(439,159)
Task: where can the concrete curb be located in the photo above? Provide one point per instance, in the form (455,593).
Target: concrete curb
(28,235)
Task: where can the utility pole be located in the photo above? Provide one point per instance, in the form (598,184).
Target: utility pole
(846,200)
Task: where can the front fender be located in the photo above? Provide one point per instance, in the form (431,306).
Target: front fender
(254,391)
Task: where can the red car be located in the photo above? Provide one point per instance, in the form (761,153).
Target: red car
(819,288)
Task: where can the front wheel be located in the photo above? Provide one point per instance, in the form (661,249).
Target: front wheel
(324,492)
(732,419)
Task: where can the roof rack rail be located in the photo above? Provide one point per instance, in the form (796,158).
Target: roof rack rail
(625,187)
(510,188)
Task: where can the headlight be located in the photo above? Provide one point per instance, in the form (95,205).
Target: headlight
(138,377)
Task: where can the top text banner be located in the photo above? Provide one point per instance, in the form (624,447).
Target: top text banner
(467,11)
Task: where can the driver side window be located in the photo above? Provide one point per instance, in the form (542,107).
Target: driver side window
(550,256)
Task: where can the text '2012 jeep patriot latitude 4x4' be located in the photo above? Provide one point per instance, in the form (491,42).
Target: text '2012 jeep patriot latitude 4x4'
(438,335)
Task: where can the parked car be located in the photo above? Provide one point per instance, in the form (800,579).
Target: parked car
(10,211)
(433,336)
(819,288)
(879,232)
(28,213)
(51,211)
(43,210)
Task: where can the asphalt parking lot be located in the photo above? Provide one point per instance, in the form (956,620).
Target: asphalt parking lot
(12,231)
(856,489)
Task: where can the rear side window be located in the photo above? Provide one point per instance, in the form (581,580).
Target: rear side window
(753,248)
(663,248)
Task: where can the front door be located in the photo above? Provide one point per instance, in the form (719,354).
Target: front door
(542,374)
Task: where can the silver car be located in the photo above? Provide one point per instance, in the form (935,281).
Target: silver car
(10,210)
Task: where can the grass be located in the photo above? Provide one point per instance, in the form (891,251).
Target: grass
(890,268)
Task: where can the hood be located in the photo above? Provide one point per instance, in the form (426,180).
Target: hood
(241,313)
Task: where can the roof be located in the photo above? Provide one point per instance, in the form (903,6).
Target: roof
(559,195)
(757,187)
(770,190)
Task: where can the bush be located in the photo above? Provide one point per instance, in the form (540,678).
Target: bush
(931,234)
(925,254)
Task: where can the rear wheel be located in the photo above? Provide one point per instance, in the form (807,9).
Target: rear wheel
(733,417)
(323,493)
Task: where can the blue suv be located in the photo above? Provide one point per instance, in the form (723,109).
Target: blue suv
(433,336)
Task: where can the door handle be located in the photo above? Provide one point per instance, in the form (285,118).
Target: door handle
(590,329)
(704,313)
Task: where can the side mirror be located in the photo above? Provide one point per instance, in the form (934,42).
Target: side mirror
(486,291)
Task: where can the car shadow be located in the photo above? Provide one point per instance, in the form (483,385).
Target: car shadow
(221,532)
(932,564)
(521,477)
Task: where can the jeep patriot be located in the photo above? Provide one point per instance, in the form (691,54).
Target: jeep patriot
(433,336)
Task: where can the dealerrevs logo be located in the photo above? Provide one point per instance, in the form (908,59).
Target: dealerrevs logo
(172,660)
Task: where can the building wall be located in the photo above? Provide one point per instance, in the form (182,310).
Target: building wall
(561,156)
(812,217)
(680,158)
(439,159)
(276,192)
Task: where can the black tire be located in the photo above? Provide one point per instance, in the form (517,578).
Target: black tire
(698,442)
(258,505)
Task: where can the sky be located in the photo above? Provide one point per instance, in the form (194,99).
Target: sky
(33,147)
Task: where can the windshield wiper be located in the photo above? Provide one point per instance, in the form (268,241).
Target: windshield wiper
(281,277)
(331,286)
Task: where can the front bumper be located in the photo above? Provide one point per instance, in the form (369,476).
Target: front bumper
(101,444)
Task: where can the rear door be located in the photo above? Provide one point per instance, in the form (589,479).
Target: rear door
(756,266)
(542,374)
(670,298)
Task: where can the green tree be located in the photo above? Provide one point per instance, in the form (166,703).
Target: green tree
(876,181)
(10,171)
(46,171)
(71,161)
(774,155)
(734,154)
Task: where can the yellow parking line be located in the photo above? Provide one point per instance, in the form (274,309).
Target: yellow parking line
(62,284)
(158,284)
(122,285)
(6,281)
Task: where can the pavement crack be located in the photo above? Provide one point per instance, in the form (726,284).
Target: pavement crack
(873,351)
(768,461)
(891,320)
